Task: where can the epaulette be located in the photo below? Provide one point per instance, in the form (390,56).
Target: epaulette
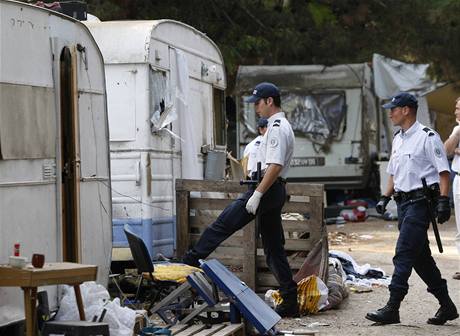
(397,132)
(429,131)
(277,123)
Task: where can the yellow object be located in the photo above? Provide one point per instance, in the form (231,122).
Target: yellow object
(172,272)
(308,295)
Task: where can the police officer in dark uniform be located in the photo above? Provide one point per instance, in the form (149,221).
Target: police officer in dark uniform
(267,200)
(417,152)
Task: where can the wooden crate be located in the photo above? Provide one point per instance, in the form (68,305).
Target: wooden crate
(198,204)
(202,330)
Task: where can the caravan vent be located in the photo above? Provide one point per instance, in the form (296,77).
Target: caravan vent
(49,170)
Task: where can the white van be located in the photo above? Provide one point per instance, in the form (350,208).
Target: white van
(165,94)
(54,153)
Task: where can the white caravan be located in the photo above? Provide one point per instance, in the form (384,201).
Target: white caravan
(165,95)
(54,153)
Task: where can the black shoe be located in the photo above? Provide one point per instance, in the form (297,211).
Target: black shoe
(190,259)
(288,308)
(444,314)
(386,315)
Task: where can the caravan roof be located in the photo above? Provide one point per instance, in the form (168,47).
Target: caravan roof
(301,77)
(132,41)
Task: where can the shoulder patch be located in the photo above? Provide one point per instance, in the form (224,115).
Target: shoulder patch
(397,132)
(258,142)
(429,131)
(277,123)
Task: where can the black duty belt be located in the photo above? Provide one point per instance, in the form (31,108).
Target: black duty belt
(402,196)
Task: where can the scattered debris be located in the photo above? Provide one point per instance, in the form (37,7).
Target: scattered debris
(342,238)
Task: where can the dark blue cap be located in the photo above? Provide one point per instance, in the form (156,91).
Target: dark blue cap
(262,122)
(263,90)
(402,99)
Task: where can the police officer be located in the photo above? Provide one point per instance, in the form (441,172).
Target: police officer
(452,147)
(252,149)
(266,200)
(417,152)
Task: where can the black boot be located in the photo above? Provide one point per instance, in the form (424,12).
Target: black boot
(446,312)
(386,315)
(191,259)
(289,306)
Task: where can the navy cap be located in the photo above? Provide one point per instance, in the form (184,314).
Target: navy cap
(402,99)
(262,122)
(263,90)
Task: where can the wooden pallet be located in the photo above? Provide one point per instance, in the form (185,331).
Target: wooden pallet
(201,330)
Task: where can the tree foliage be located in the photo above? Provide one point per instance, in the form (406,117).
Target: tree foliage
(312,31)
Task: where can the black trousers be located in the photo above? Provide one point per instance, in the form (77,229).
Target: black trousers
(413,251)
(235,217)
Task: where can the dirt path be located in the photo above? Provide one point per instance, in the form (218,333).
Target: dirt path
(418,304)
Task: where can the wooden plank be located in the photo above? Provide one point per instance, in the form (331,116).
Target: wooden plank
(175,329)
(211,331)
(297,207)
(231,241)
(249,254)
(182,223)
(218,186)
(192,330)
(299,225)
(209,203)
(295,244)
(305,189)
(232,329)
(295,264)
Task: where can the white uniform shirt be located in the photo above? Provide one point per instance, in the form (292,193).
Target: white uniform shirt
(277,144)
(416,153)
(251,151)
(456,160)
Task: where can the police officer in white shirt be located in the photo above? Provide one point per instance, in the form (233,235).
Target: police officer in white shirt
(266,199)
(417,152)
(452,146)
(251,150)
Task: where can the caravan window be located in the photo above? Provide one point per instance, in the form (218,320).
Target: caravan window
(220,126)
(27,122)
(159,99)
(317,116)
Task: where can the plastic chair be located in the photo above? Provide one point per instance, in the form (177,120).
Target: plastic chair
(144,264)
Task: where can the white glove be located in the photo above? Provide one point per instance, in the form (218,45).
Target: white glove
(253,202)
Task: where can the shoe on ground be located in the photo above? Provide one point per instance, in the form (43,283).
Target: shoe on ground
(444,314)
(287,308)
(456,276)
(385,315)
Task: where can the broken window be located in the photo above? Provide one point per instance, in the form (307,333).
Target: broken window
(317,116)
(159,99)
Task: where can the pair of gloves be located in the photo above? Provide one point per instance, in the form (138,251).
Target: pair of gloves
(442,209)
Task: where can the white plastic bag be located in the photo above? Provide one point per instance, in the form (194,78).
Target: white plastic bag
(95,299)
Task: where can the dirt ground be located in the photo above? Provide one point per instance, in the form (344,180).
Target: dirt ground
(416,308)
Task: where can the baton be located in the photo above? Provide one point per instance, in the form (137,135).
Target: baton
(426,191)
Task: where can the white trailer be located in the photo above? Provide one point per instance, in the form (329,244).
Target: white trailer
(54,153)
(165,94)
